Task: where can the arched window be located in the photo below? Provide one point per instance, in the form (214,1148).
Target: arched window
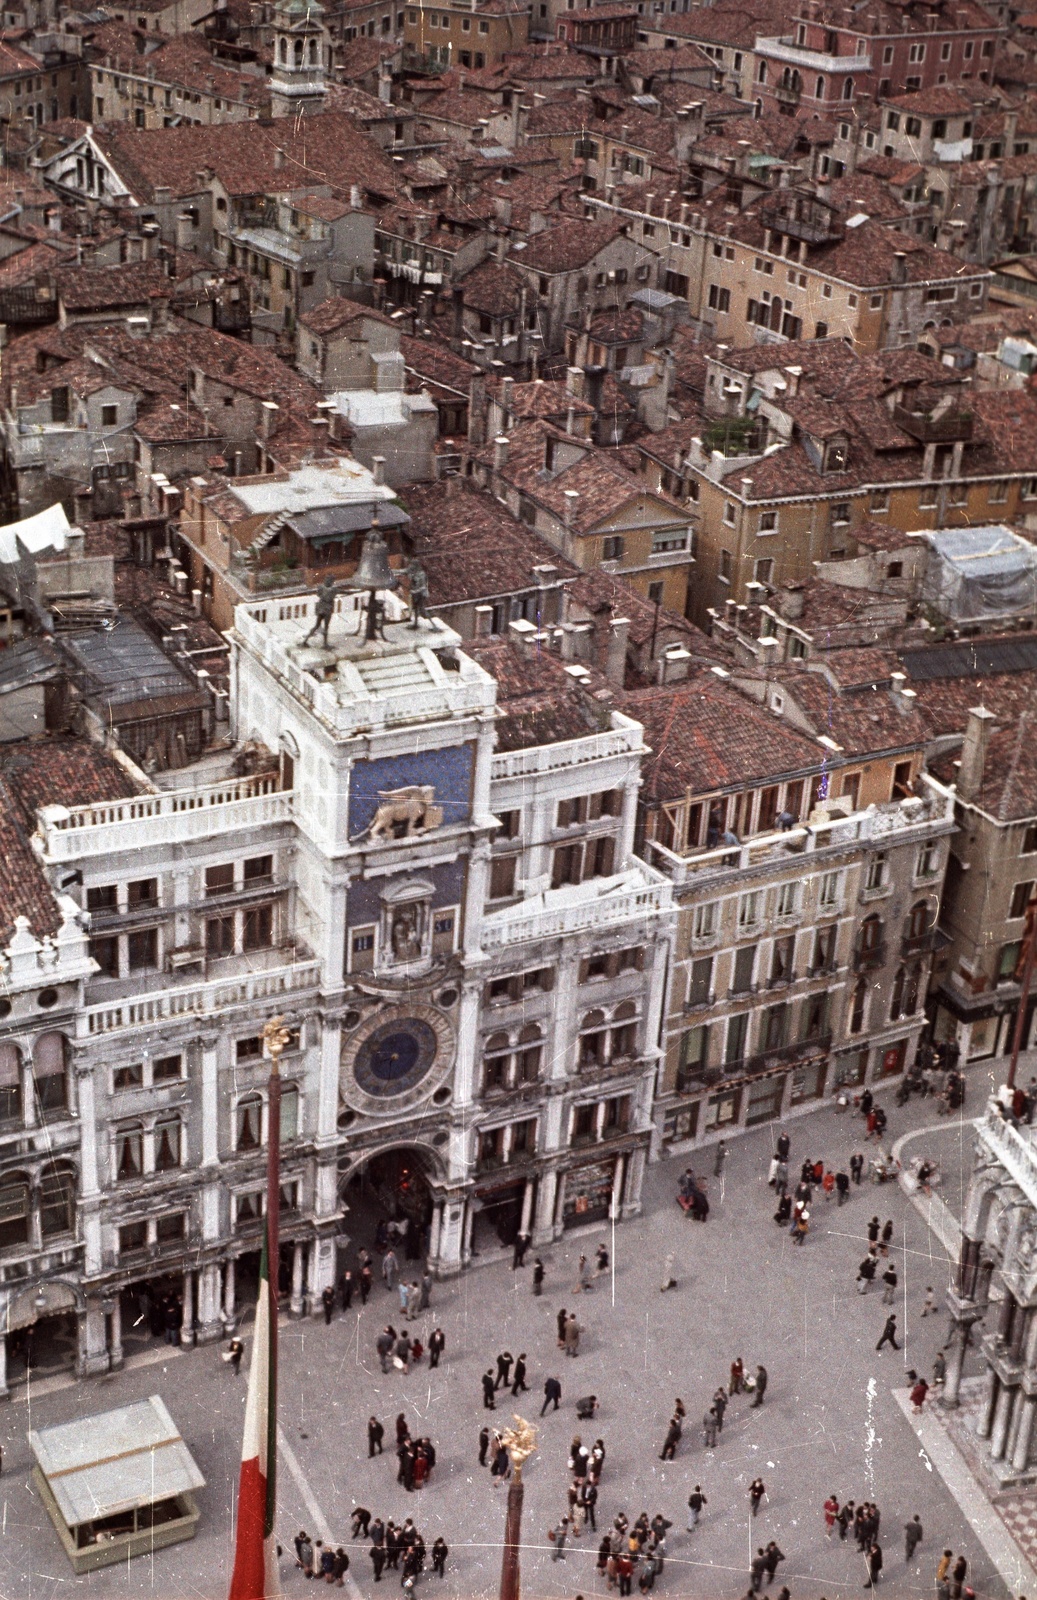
(593,1036)
(911,987)
(284,51)
(624,1029)
(289,1112)
(14,1210)
(57,1201)
(249,1122)
(819,89)
(129,1152)
(167,1143)
(849,89)
(871,933)
(496,1055)
(858,1004)
(297,52)
(918,920)
(313,52)
(896,1004)
(49,1055)
(761,76)
(529,1053)
(10,1083)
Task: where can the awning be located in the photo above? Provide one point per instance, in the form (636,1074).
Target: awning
(115,1461)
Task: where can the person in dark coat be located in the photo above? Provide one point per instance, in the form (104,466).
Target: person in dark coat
(538,1275)
(378,1561)
(328,1301)
(375,1435)
(561,1319)
(436,1346)
(519,1384)
(488,1401)
(440,1552)
(346,1289)
(484,1445)
(761,1387)
(504,1364)
(672,1440)
(552,1391)
(874,1566)
(361,1522)
(912,1536)
(889,1333)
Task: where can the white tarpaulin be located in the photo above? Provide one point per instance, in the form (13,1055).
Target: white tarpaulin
(978,573)
(47,530)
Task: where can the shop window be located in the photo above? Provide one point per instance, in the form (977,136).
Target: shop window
(723,1109)
(764,1101)
(249,1122)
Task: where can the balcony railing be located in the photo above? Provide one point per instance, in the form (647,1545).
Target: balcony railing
(919,943)
(1013,1148)
(199,999)
(622,740)
(552,914)
(171,817)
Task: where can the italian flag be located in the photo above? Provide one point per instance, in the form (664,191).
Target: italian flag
(255,1557)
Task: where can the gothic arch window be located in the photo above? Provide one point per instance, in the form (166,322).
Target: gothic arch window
(849,89)
(57,1200)
(284,51)
(10,1083)
(871,932)
(918,920)
(313,52)
(298,52)
(529,1054)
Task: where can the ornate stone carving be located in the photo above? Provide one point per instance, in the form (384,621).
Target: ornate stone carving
(406,812)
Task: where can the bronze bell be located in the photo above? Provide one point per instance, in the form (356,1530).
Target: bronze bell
(373,569)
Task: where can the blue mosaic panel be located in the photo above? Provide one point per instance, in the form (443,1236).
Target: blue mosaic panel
(449,771)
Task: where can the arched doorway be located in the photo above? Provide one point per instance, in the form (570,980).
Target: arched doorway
(391,1193)
(42,1337)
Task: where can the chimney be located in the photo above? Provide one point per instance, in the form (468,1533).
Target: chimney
(267,418)
(378,469)
(570,419)
(356,199)
(674,664)
(574,382)
(903,698)
(974,752)
(899,267)
(457,307)
(616,651)
(483,621)
(54,220)
(278,159)
(184,231)
(571,498)
(500,452)
(792,601)
(507,385)
(137,327)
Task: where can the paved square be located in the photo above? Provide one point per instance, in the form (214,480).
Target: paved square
(830,1421)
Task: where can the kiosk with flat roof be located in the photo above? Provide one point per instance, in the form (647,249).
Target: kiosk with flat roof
(117,1484)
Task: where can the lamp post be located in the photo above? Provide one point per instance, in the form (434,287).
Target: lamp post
(520,1442)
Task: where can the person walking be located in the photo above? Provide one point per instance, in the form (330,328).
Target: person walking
(384,1346)
(484,1444)
(561,1318)
(402,1352)
(375,1435)
(572,1336)
(488,1401)
(552,1391)
(757,1568)
(866,1274)
(757,1491)
(887,1236)
(584,1277)
(719,1159)
(831,1511)
(519,1384)
(668,1279)
(304,1553)
(327,1296)
(874,1566)
(958,1572)
(856,1167)
(365,1282)
(589,1501)
(771,1557)
(929,1306)
(436,1346)
(842,1188)
(696,1500)
(389,1269)
(414,1298)
(558,1535)
(889,1279)
(939,1370)
(873,1231)
(760,1387)
(889,1333)
(346,1288)
(918,1394)
(440,1551)
(912,1536)
(425,1300)
(844,1519)
(518,1253)
(235,1351)
(538,1275)
(672,1440)
(709,1429)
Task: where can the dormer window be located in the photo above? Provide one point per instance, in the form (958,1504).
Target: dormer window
(835,458)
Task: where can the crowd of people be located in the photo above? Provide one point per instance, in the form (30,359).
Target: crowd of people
(396,1547)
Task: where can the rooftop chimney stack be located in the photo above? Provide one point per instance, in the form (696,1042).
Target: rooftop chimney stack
(974,752)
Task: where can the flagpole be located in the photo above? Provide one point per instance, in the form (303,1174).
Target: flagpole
(275,1036)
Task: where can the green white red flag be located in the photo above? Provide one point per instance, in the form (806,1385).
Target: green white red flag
(255,1574)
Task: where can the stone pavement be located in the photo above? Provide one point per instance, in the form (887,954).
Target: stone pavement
(831,1421)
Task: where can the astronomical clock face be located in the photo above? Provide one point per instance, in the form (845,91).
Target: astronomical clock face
(395,1058)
